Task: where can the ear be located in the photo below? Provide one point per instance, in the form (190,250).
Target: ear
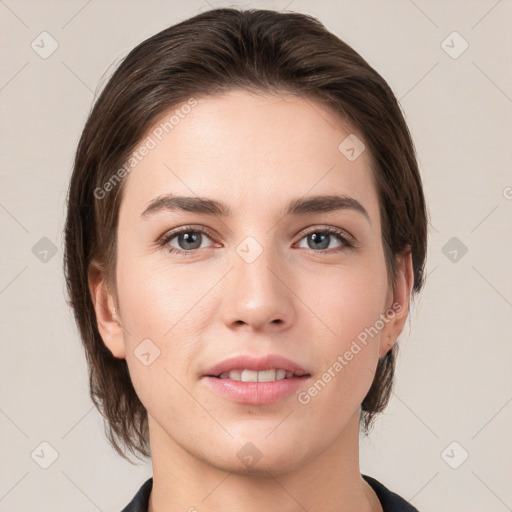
(109,325)
(398,302)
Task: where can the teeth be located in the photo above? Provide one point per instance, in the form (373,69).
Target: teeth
(267,376)
(235,374)
(254,376)
(249,376)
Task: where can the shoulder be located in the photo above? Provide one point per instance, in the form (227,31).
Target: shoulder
(140,501)
(390,501)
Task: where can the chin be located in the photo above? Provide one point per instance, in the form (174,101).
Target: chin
(254,455)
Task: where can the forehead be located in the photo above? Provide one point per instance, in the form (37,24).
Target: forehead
(251,151)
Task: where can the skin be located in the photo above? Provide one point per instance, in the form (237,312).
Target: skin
(254,152)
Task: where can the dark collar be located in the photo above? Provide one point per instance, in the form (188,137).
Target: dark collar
(390,501)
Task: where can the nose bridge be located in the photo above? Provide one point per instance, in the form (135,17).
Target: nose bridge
(256,293)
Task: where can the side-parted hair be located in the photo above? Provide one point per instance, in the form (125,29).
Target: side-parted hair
(209,54)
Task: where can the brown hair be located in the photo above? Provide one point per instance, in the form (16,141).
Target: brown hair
(211,53)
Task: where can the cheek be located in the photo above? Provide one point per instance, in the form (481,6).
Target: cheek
(348,361)
(163,312)
(152,320)
(348,303)
(158,300)
(346,300)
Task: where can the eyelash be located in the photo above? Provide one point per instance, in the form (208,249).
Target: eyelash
(347,242)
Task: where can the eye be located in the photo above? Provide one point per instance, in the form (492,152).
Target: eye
(321,239)
(190,239)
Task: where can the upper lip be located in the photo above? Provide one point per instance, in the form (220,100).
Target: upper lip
(245,362)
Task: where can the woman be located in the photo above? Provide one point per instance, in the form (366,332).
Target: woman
(246,226)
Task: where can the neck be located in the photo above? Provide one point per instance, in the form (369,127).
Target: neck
(330,482)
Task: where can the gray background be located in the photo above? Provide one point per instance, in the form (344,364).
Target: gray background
(454,379)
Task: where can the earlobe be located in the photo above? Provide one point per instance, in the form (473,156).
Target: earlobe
(386,345)
(399,308)
(109,326)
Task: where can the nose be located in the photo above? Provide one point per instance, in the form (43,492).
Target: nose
(257,293)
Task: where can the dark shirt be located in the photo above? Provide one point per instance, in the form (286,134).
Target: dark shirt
(390,501)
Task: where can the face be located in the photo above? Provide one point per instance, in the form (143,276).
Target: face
(305,285)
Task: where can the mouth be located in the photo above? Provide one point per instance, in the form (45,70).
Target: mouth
(256,381)
(243,387)
(246,375)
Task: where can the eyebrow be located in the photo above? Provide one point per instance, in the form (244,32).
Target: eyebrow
(299,206)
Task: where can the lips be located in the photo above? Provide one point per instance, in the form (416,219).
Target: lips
(257,364)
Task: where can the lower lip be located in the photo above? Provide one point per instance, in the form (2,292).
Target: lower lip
(255,393)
